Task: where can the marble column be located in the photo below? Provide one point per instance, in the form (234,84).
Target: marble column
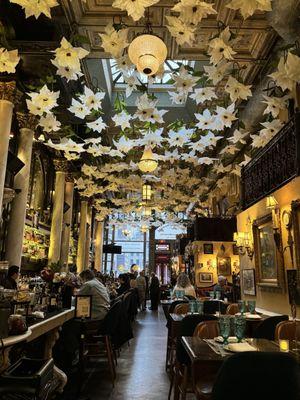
(57,212)
(15,234)
(7,91)
(67,222)
(98,248)
(81,248)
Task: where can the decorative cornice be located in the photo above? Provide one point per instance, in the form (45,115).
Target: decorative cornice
(60,165)
(26,120)
(8,91)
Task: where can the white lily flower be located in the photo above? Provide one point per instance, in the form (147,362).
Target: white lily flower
(246,160)
(78,109)
(116,153)
(216,73)
(98,125)
(8,60)
(183,33)
(281,77)
(96,140)
(184,81)
(225,116)
(258,141)
(71,74)
(221,169)
(71,156)
(172,156)
(42,102)
(151,138)
(196,146)
(122,119)
(206,160)
(50,123)
(113,41)
(210,140)
(203,94)
(237,90)
(192,11)
(292,67)
(124,144)
(135,9)
(248,7)
(205,120)
(91,100)
(125,65)
(179,138)
(178,98)
(271,128)
(275,105)
(220,48)
(230,149)
(68,56)
(238,136)
(36,7)
(131,84)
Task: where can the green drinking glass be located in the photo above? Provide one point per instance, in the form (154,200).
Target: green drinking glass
(212,295)
(200,305)
(251,306)
(239,327)
(242,306)
(224,325)
(218,295)
(192,307)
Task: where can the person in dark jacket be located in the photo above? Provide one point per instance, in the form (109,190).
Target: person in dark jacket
(154,292)
(11,280)
(124,284)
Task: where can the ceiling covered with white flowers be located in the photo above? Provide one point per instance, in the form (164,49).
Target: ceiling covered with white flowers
(220,96)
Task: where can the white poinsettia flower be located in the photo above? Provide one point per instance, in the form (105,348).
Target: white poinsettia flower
(216,73)
(237,90)
(184,81)
(49,123)
(205,120)
(292,67)
(246,160)
(192,11)
(210,140)
(225,116)
(124,64)
(78,109)
(91,100)
(135,9)
(271,128)
(203,94)
(113,41)
(68,56)
(281,78)
(275,105)
(8,60)
(248,7)
(131,84)
(206,160)
(67,72)
(220,47)
(42,102)
(36,7)
(229,149)
(238,136)
(178,98)
(122,119)
(183,33)
(97,126)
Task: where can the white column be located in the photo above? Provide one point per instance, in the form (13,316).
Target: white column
(7,90)
(98,248)
(88,238)
(82,236)
(57,212)
(15,234)
(67,221)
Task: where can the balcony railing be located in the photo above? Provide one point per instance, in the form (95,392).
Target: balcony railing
(275,165)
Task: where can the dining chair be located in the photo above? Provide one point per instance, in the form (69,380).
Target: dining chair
(258,375)
(286,330)
(207,330)
(181,308)
(266,328)
(213,306)
(232,309)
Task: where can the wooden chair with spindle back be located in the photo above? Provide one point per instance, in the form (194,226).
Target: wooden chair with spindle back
(207,330)
(232,309)
(181,308)
(286,330)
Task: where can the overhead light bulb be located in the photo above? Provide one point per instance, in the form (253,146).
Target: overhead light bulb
(148,162)
(147,52)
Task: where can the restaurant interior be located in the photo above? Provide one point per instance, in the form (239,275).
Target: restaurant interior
(149,199)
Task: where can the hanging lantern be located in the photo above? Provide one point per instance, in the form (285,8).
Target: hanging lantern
(147,162)
(146,192)
(147,52)
(147,212)
(144,229)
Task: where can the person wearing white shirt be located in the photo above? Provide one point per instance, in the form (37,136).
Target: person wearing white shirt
(184,284)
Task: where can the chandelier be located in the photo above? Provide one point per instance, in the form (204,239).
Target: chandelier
(146,192)
(147,163)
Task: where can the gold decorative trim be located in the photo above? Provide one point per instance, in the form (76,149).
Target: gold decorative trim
(61,165)
(8,91)
(26,120)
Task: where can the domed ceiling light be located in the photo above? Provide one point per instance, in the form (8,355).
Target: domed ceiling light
(147,163)
(147,52)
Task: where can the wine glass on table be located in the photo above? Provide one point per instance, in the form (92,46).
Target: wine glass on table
(224,325)
(239,327)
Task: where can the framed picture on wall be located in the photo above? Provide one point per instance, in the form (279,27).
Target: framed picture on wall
(248,281)
(208,248)
(224,265)
(235,250)
(206,277)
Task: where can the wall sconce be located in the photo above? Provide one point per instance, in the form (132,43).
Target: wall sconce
(244,244)
(272,204)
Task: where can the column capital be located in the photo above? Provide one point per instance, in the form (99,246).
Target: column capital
(70,177)
(8,91)
(60,164)
(27,120)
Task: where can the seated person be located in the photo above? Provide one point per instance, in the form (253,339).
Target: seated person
(184,284)
(222,287)
(10,282)
(124,284)
(100,297)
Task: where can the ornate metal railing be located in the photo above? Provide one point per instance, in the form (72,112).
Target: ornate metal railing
(275,165)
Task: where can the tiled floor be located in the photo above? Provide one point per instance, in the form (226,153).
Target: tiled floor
(141,367)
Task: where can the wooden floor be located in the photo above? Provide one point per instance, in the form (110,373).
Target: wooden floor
(141,367)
